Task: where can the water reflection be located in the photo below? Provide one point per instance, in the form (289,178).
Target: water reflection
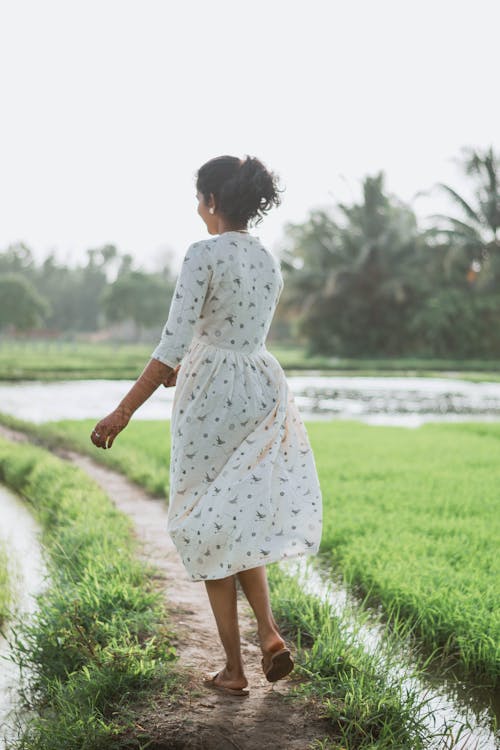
(405,401)
(408,401)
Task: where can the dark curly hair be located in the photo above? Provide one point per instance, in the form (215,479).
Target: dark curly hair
(243,188)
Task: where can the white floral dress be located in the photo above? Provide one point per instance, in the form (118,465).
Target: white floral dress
(244,490)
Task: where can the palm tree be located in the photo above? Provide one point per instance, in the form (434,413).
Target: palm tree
(358,276)
(379,244)
(476,234)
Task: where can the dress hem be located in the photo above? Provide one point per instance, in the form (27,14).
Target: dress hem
(258,562)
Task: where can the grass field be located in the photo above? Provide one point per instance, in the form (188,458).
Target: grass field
(40,360)
(411,518)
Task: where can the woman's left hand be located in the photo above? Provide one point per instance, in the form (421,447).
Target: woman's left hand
(172,378)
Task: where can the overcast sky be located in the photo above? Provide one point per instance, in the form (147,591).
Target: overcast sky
(109,107)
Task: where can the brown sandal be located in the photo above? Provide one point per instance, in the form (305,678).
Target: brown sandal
(281,664)
(210,682)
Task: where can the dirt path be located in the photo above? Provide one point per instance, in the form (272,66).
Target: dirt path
(270,718)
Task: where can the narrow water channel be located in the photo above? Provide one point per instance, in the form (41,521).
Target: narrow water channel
(20,533)
(461,715)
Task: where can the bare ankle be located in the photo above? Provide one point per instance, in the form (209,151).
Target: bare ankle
(235,670)
(268,628)
(270,639)
(264,631)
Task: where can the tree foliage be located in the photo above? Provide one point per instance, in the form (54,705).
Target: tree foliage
(21,307)
(136,296)
(364,280)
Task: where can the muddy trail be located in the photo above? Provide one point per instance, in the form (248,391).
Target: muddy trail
(270,717)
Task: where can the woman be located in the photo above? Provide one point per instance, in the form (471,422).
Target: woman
(244,491)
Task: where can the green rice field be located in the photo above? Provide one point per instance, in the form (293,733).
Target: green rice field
(411,520)
(66,360)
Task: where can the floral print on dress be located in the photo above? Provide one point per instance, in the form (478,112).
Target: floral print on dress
(244,489)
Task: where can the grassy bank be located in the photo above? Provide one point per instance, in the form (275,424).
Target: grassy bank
(60,360)
(5,587)
(100,639)
(366,707)
(411,519)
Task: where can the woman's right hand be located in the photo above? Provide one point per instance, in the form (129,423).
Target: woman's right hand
(107,429)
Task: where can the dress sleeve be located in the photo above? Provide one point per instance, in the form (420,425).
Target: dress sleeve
(187,302)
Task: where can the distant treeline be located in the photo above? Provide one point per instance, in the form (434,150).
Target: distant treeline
(360,280)
(56,297)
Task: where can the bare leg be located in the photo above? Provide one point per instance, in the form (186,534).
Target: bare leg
(223,599)
(255,587)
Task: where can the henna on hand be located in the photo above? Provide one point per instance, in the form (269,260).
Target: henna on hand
(105,431)
(154,374)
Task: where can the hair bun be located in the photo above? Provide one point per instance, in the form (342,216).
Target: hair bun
(244,189)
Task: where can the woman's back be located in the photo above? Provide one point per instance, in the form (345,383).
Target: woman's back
(243,292)
(226,295)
